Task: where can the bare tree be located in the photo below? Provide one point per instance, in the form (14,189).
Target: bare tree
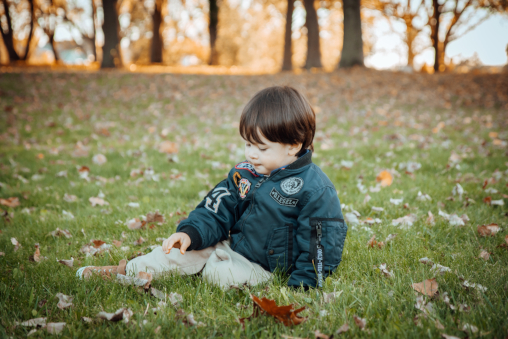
(212,28)
(352,47)
(287,63)
(110,50)
(313,45)
(8,32)
(156,54)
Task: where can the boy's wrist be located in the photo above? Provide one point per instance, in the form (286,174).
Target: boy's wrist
(194,236)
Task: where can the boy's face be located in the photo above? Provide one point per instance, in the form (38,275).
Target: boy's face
(267,156)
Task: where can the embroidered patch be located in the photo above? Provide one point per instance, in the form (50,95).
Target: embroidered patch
(291,185)
(247,166)
(236,178)
(244,187)
(214,199)
(282,200)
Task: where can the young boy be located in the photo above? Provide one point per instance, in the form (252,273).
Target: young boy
(276,210)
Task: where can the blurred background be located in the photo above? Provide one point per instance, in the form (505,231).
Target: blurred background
(258,36)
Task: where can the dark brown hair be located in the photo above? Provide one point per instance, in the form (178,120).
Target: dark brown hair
(282,115)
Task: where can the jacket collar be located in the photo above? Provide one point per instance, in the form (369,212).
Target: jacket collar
(302,161)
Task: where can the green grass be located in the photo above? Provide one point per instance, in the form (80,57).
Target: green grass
(136,108)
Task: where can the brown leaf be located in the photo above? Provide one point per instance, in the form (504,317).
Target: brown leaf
(360,322)
(139,241)
(69,263)
(385,178)
(168,147)
(10,202)
(373,243)
(427,287)
(484,255)
(120,314)
(97,201)
(146,276)
(155,217)
(98,243)
(487,200)
(135,224)
(37,255)
(486,230)
(344,328)
(285,314)
(65,301)
(320,335)
(117,243)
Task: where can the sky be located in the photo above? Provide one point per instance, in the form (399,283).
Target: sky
(489,40)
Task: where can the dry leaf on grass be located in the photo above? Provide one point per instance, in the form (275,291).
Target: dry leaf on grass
(373,243)
(139,241)
(55,328)
(120,314)
(360,322)
(117,243)
(10,202)
(344,328)
(331,297)
(486,230)
(97,201)
(33,322)
(154,217)
(59,232)
(69,263)
(168,147)
(484,255)
(385,178)
(384,269)
(135,224)
(37,257)
(99,159)
(65,301)
(428,287)
(285,314)
(16,244)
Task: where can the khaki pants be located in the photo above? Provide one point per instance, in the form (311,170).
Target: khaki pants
(221,264)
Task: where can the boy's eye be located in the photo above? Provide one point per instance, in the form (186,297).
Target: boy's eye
(262,149)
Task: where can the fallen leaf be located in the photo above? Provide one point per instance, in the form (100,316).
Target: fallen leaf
(33,322)
(99,159)
(139,241)
(65,301)
(69,263)
(428,287)
(320,335)
(486,230)
(468,328)
(360,322)
(426,261)
(168,147)
(86,320)
(16,244)
(390,237)
(98,243)
(135,224)
(499,202)
(405,221)
(446,336)
(10,202)
(37,255)
(145,276)
(373,243)
(484,255)
(330,297)
(479,287)
(120,314)
(59,232)
(155,217)
(117,243)
(437,268)
(487,200)
(285,314)
(344,328)
(385,178)
(97,201)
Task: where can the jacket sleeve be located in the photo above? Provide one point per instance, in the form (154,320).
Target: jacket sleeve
(320,235)
(212,219)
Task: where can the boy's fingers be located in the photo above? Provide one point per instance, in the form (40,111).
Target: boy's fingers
(185,245)
(168,245)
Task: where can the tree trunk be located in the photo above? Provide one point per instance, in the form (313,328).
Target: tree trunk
(352,46)
(53,47)
(94,41)
(30,34)
(110,50)
(156,55)
(435,33)
(410,38)
(8,36)
(212,28)
(313,49)
(287,63)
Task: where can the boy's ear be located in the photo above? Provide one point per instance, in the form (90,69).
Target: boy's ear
(294,149)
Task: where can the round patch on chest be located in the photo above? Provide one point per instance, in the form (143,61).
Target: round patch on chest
(291,185)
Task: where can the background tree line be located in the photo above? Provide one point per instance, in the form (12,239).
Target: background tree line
(265,33)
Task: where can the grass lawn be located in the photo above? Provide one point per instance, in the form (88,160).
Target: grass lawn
(437,135)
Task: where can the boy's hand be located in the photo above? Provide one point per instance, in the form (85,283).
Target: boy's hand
(177,240)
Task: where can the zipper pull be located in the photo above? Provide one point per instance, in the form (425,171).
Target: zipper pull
(260,182)
(319,232)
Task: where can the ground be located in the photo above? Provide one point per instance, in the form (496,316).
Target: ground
(444,136)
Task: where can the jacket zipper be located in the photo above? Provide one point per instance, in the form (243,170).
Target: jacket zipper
(260,182)
(319,254)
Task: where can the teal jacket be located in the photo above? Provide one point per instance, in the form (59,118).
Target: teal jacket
(289,221)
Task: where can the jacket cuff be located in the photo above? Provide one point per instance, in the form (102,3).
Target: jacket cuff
(193,234)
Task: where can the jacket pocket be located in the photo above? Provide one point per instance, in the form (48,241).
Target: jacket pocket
(279,251)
